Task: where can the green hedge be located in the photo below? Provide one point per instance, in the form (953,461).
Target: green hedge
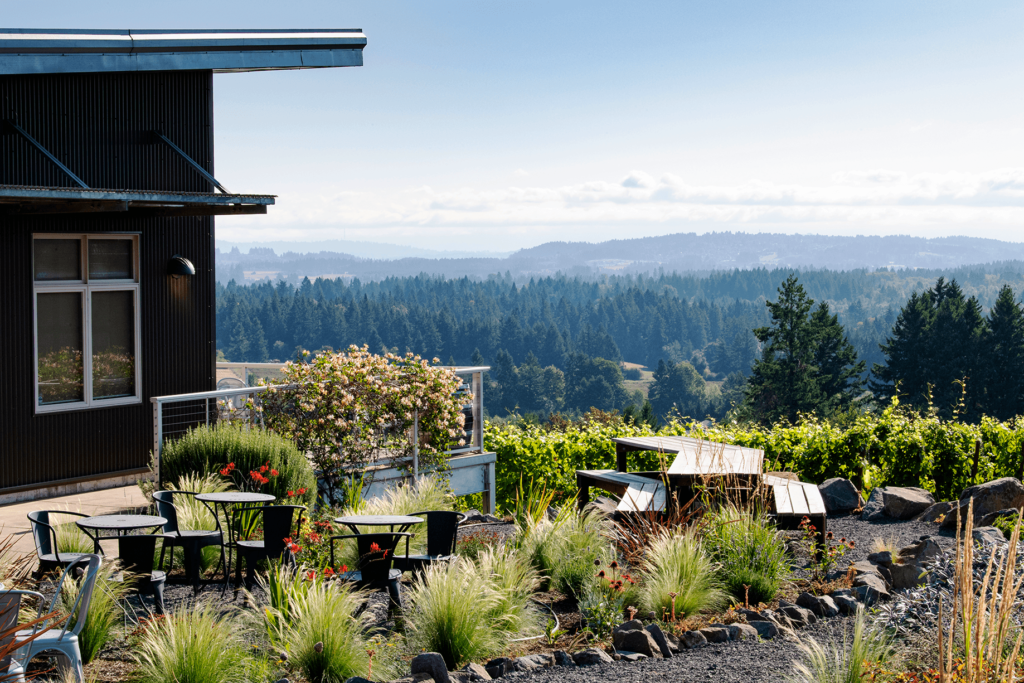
(899,447)
(208,449)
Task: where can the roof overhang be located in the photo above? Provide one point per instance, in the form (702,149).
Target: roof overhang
(22,200)
(43,51)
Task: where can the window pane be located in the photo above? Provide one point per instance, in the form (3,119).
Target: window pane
(113,344)
(59,318)
(110,260)
(58,260)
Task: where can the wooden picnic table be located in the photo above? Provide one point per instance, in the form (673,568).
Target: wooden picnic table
(696,462)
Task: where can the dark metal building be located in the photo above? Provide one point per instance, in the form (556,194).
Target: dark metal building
(107,199)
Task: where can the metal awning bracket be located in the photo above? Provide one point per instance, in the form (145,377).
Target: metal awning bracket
(191,162)
(21,131)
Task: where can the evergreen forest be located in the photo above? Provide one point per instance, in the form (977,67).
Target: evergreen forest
(697,345)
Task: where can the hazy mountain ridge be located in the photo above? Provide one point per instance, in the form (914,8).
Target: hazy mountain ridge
(681,252)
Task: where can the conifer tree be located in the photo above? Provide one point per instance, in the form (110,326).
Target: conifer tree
(840,375)
(1004,364)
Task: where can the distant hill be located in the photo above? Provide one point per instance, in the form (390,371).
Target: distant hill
(682,252)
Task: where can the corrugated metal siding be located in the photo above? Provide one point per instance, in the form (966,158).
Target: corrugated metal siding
(92,119)
(100,126)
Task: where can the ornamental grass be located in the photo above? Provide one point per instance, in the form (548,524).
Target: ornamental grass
(104,610)
(678,577)
(844,662)
(751,553)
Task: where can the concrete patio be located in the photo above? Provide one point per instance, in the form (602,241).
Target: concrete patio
(14,517)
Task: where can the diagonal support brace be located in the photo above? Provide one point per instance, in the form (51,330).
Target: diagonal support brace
(31,140)
(202,171)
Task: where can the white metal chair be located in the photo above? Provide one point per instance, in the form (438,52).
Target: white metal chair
(65,640)
(11,669)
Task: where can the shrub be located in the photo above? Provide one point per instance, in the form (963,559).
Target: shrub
(750,552)
(206,450)
(513,580)
(315,622)
(104,609)
(843,662)
(195,645)
(451,603)
(677,576)
(70,537)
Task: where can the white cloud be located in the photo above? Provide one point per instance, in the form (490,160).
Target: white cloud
(873,201)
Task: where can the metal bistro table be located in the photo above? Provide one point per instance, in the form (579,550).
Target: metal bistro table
(122,524)
(403,522)
(226,500)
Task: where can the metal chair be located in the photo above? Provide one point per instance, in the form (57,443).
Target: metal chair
(136,554)
(442,533)
(374,568)
(192,541)
(45,537)
(277,526)
(65,640)
(10,605)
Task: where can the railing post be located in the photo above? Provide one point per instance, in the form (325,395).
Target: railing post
(478,410)
(207,412)
(489,501)
(158,434)
(416,444)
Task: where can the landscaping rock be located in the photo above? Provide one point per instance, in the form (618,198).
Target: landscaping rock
(476,672)
(631,625)
(632,656)
(431,663)
(870,588)
(715,634)
(742,632)
(541,660)
(659,638)
(765,629)
(882,558)
(821,606)
(562,658)
(936,513)
(896,502)
(751,615)
(636,641)
(989,534)
(910,566)
(992,496)
(673,641)
(460,676)
(591,656)
(799,616)
(840,495)
(691,640)
(499,667)
(990,519)
(846,604)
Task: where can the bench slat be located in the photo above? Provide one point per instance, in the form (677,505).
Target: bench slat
(783,506)
(798,499)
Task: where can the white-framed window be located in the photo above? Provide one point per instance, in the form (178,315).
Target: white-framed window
(86,320)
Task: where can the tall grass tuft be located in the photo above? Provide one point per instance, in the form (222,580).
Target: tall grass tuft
(104,609)
(983,613)
(451,606)
(315,622)
(513,580)
(843,662)
(676,563)
(195,645)
(204,450)
(750,552)
(70,537)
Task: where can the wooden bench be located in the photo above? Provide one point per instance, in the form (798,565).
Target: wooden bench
(791,501)
(637,492)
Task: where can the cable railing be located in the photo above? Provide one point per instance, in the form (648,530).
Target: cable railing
(238,399)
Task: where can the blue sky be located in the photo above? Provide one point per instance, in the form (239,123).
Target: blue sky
(498,125)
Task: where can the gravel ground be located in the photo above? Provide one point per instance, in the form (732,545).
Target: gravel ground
(751,662)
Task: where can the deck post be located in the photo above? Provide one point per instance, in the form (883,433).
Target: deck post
(621,453)
(490,501)
(582,493)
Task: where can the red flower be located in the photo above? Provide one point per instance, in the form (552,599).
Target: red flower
(328,572)
(314,537)
(302,491)
(344,568)
(291,494)
(263,468)
(225,472)
(288,540)
(374,548)
(273,473)
(311,575)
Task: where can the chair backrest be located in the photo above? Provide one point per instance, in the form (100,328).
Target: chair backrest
(277,526)
(43,532)
(442,530)
(136,553)
(10,604)
(165,508)
(44,535)
(85,590)
(376,553)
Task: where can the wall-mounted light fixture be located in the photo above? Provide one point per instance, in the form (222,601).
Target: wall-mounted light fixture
(179,265)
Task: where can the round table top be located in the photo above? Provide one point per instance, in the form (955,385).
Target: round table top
(378,520)
(235,497)
(121,522)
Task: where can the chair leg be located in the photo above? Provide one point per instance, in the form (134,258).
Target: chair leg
(395,592)
(158,597)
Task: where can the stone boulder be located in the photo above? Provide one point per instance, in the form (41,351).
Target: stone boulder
(500,666)
(992,496)
(562,658)
(846,604)
(476,672)
(715,634)
(822,606)
(541,660)
(765,629)
(989,534)
(937,512)
(990,519)
(799,616)
(631,625)
(691,640)
(636,641)
(896,502)
(431,663)
(659,637)
(591,656)
(742,632)
(840,495)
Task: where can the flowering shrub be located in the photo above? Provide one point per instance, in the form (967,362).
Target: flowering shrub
(822,559)
(350,409)
(257,478)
